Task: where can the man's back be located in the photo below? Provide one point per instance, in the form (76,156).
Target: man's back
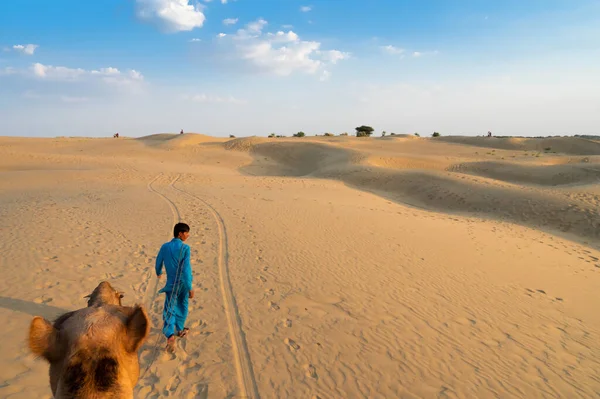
(175,255)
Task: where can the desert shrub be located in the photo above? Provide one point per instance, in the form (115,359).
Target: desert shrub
(417,134)
(231,136)
(271,135)
(343,134)
(329,134)
(383,134)
(435,134)
(299,134)
(364,131)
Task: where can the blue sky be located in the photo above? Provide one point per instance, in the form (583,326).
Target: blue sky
(252,67)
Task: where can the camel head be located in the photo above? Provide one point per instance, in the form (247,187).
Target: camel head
(93,352)
(104,294)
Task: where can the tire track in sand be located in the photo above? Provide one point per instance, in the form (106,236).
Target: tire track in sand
(243,365)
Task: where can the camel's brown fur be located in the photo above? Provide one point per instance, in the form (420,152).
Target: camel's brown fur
(93,351)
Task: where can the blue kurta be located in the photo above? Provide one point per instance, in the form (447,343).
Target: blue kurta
(171,255)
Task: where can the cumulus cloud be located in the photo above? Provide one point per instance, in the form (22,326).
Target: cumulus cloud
(305,8)
(171,15)
(27,49)
(392,49)
(281,53)
(230,21)
(205,98)
(195,39)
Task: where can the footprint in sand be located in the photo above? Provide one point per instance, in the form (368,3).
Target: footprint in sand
(286,323)
(261,278)
(311,371)
(292,344)
(273,306)
(270,292)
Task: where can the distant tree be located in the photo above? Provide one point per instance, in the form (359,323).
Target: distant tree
(329,134)
(383,134)
(417,134)
(231,136)
(364,131)
(343,134)
(272,135)
(435,134)
(299,134)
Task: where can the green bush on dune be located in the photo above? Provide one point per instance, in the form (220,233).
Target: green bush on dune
(364,131)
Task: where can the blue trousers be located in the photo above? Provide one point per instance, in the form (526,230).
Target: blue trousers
(174,318)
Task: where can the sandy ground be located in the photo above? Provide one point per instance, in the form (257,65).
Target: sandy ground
(392,267)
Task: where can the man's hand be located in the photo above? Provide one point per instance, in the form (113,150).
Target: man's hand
(191,294)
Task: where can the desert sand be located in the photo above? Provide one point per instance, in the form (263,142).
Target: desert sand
(325,267)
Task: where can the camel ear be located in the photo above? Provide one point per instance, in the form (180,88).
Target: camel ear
(43,339)
(137,329)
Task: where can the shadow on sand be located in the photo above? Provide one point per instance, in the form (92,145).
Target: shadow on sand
(31,308)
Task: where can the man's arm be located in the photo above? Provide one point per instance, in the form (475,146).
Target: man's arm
(159,262)
(187,271)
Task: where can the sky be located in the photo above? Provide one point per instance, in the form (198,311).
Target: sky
(255,67)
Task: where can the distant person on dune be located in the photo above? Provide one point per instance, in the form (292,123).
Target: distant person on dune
(175,256)
(181,131)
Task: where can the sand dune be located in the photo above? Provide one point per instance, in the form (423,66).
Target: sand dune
(175,141)
(544,175)
(565,145)
(325,267)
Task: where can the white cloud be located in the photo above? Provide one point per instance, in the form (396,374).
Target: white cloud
(56,72)
(205,98)
(305,8)
(223,1)
(333,56)
(28,49)
(418,54)
(281,53)
(171,15)
(288,26)
(195,39)
(230,21)
(325,76)
(392,50)
(106,71)
(108,75)
(222,35)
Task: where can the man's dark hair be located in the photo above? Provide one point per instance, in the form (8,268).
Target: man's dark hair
(180,228)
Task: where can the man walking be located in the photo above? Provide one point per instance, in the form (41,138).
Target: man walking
(175,255)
